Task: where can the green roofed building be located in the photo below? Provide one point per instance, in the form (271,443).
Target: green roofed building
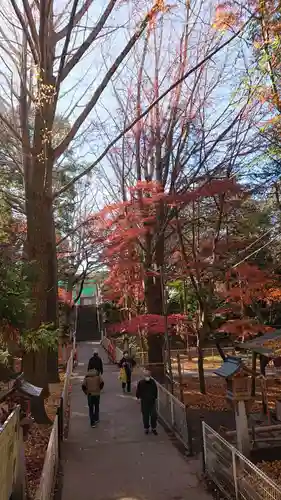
(87,327)
(89,293)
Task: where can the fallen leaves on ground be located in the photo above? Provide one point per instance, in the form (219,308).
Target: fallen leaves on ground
(66,420)
(215,399)
(271,469)
(210,363)
(38,438)
(35,448)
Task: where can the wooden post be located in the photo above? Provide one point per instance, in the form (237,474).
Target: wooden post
(126,343)
(164,357)
(189,432)
(167,337)
(59,431)
(263,364)
(203,445)
(61,420)
(265,399)
(234,470)
(254,369)
(253,435)
(243,439)
(220,351)
(180,378)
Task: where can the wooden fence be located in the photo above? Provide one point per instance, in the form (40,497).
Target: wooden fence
(65,398)
(50,467)
(114,352)
(64,353)
(12,458)
(58,434)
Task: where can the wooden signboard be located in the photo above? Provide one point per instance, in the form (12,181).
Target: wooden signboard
(239,389)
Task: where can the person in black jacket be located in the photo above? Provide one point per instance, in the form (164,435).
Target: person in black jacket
(147,392)
(95,363)
(128,363)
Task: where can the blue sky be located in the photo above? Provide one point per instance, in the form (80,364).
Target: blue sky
(85,77)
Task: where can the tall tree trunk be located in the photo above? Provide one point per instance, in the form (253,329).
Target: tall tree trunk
(154,305)
(153,301)
(41,252)
(38,175)
(200,364)
(52,299)
(202,329)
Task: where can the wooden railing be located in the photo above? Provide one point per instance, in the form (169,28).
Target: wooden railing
(65,399)
(11,458)
(58,434)
(50,467)
(114,352)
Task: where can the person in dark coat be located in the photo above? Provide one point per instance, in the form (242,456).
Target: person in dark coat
(128,363)
(92,387)
(147,392)
(95,363)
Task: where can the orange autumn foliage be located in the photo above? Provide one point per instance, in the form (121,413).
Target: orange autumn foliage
(265,37)
(246,285)
(244,327)
(226,16)
(273,295)
(159,7)
(127,226)
(150,324)
(65,296)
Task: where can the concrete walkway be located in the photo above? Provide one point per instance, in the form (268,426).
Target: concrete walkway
(116,461)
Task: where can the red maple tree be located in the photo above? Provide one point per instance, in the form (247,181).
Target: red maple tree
(149,324)
(246,286)
(129,229)
(126,227)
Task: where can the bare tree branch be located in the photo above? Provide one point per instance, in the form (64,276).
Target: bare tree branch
(150,107)
(31,22)
(61,34)
(25,30)
(90,39)
(90,105)
(66,44)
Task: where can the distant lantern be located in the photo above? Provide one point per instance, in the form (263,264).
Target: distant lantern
(238,386)
(237,377)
